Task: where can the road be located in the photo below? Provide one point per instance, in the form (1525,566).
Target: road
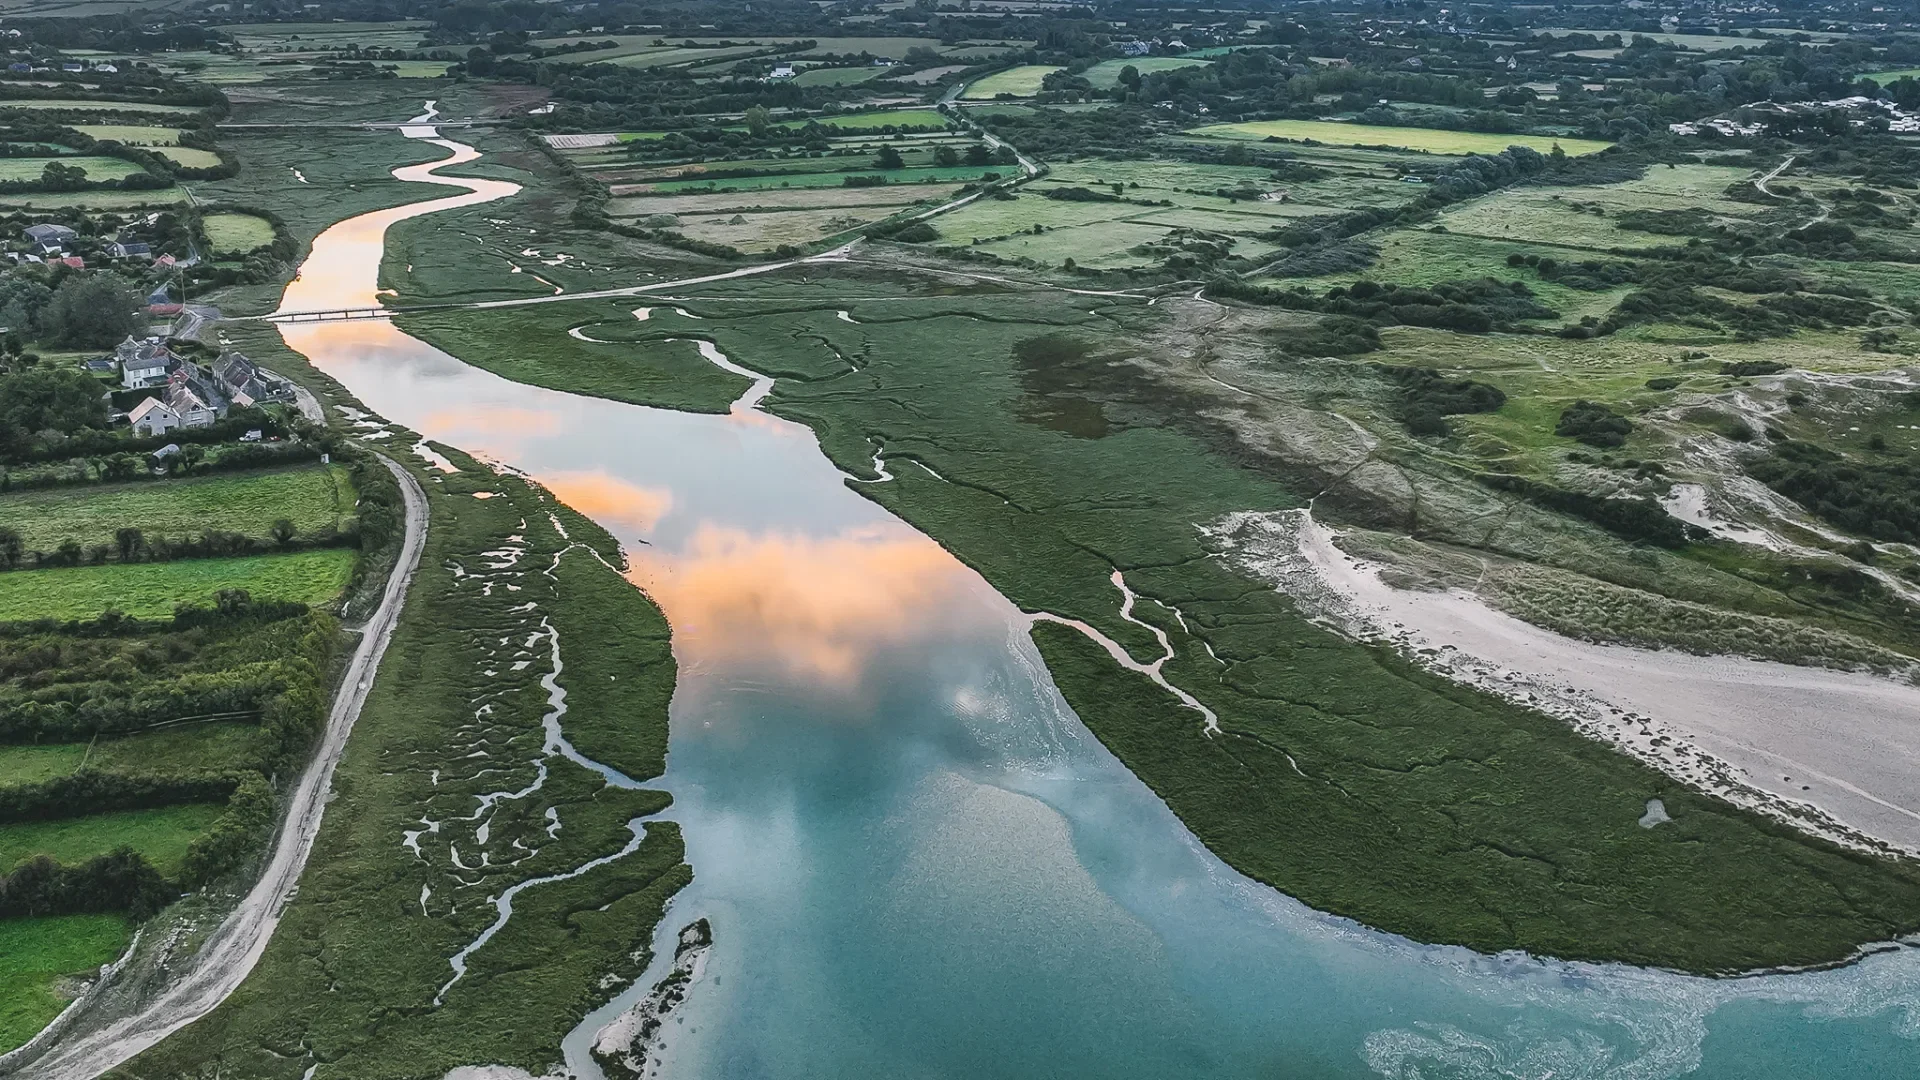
(233,949)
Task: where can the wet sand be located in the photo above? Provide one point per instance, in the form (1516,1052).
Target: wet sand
(1806,743)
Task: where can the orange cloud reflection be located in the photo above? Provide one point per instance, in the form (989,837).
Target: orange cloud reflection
(818,607)
(615,503)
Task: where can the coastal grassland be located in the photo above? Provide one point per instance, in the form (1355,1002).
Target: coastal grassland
(1409,803)
(1023,81)
(237,233)
(36,953)
(350,977)
(161,835)
(1105,75)
(1431,140)
(150,590)
(314,498)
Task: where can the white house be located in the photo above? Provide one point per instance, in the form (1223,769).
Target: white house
(143,363)
(153,417)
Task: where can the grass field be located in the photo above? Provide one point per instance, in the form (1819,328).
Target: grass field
(186,748)
(1885,77)
(150,590)
(1105,75)
(1022,81)
(188,157)
(102,106)
(132,134)
(897,177)
(98,168)
(237,233)
(162,835)
(837,76)
(35,953)
(97,200)
(1431,140)
(312,498)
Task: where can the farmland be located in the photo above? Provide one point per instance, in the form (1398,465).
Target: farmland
(103,107)
(151,590)
(98,168)
(1014,82)
(1105,75)
(36,953)
(161,835)
(1428,140)
(238,233)
(315,499)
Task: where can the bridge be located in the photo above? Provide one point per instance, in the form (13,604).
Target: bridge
(335,315)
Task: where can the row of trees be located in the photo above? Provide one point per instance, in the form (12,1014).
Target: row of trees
(131,545)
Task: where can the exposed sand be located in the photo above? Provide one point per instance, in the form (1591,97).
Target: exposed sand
(1836,752)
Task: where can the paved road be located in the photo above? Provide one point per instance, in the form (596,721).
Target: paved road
(237,945)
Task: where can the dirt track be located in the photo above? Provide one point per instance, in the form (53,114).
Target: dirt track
(233,949)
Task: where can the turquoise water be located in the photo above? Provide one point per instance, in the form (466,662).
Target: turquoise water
(917,863)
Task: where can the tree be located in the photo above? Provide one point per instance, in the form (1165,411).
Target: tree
(758,120)
(282,532)
(888,158)
(1130,77)
(10,547)
(130,543)
(978,154)
(48,399)
(58,177)
(946,157)
(91,311)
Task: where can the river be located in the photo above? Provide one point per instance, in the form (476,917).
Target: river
(917,862)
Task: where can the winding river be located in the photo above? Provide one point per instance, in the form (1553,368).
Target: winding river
(917,862)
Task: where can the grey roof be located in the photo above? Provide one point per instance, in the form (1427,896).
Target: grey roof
(49,231)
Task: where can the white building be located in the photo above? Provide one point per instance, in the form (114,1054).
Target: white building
(153,417)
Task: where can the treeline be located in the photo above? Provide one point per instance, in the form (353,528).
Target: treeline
(122,881)
(135,545)
(1637,519)
(1474,306)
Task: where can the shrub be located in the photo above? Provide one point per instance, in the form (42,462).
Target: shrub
(1594,424)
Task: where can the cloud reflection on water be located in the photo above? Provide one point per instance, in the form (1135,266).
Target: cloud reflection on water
(817,608)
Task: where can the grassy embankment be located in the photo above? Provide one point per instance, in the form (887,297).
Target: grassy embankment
(350,977)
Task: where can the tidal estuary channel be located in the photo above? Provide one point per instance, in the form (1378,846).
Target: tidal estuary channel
(917,862)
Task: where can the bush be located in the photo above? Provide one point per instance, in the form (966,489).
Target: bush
(1427,398)
(1594,424)
(1637,519)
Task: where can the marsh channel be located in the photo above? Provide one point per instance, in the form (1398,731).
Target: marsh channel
(917,862)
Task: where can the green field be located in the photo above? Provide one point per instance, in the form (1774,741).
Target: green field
(150,590)
(1428,139)
(132,134)
(1022,81)
(237,233)
(882,118)
(186,748)
(1105,75)
(188,157)
(101,106)
(837,76)
(97,200)
(312,498)
(34,953)
(936,174)
(162,835)
(1886,77)
(98,168)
